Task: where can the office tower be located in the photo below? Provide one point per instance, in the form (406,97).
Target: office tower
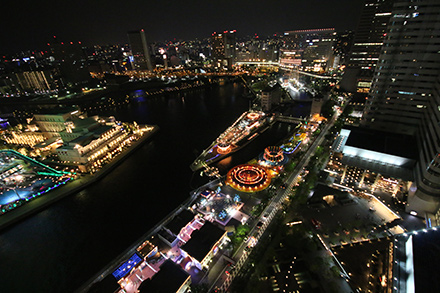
(342,46)
(367,43)
(140,50)
(270,96)
(316,46)
(223,48)
(405,94)
(291,57)
(36,81)
(70,61)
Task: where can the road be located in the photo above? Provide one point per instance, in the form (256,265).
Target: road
(241,255)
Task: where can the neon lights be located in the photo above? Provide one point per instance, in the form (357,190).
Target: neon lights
(273,154)
(223,148)
(252,116)
(248,178)
(126,267)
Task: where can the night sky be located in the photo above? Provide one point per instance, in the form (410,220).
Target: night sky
(29,25)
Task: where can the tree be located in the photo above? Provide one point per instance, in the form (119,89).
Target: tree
(199,288)
(347,111)
(327,109)
(315,264)
(290,166)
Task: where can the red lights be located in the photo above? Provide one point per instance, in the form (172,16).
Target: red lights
(248,178)
(273,154)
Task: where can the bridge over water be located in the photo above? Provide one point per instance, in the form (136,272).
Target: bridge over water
(289,119)
(286,67)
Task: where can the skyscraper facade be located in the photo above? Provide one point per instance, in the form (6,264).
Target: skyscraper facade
(36,81)
(405,94)
(141,57)
(367,44)
(223,48)
(71,61)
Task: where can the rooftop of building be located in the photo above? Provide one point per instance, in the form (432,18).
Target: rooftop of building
(203,240)
(179,221)
(101,129)
(84,123)
(108,284)
(358,97)
(318,30)
(46,143)
(82,140)
(58,110)
(161,245)
(355,257)
(145,248)
(269,88)
(169,279)
(382,142)
(166,235)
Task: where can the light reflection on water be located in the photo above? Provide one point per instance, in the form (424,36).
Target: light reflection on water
(60,248)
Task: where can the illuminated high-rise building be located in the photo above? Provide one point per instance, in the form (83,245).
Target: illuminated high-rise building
(36,81)
(316,46)
(223,48)
(405,93)
(367,43)
(140,51)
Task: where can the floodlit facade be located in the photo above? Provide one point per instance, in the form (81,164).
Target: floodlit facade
(52,123)
(405,94)
(29,138)
(95,145)
(223,48)
(36,81)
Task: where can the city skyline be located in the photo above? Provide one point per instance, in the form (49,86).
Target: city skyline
(298,146)
(99,23)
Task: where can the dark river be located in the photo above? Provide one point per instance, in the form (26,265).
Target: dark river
(60,248)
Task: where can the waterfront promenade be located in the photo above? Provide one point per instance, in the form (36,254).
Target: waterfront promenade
(274,206)
(75,186)
(129,251)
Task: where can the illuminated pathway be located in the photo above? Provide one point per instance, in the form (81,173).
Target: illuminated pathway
(241,254)
(291,68)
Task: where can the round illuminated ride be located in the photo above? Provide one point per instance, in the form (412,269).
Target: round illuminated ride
(252,116)
(273,154)
(248,178)
(223,148)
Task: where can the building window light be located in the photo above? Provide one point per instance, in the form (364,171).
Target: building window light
(406,93)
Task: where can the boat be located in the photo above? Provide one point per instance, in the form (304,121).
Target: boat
(245,129)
